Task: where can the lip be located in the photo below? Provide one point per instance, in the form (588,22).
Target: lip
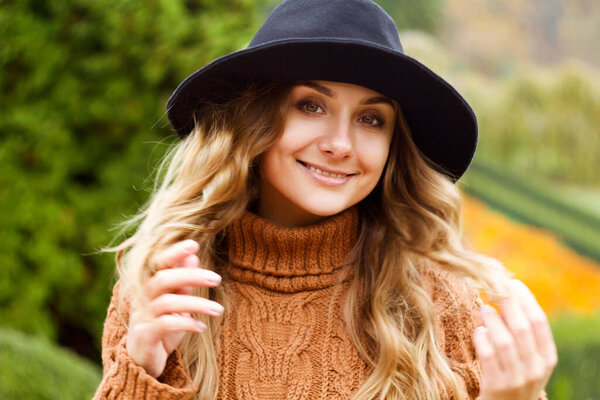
(325,180)
(322,168)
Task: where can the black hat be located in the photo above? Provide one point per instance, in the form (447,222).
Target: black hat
(352,41)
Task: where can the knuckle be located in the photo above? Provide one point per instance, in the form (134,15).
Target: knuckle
(539,322)
(487,357)
(159,305)
(159,275)
(505,345)
(163,257)
(162,322)
(156,261)
(520,329)
(534,376)
(154,308)
(151,285)
(552,361)
(519,382)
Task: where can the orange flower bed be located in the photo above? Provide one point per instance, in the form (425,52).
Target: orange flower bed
(561,279)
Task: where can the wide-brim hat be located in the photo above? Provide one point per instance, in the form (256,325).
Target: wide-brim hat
(352,41)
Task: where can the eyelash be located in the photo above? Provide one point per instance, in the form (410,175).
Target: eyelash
(301,104)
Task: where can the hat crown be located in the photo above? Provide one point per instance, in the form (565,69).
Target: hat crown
(353,20)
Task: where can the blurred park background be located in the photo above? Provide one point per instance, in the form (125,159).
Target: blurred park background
(83,88)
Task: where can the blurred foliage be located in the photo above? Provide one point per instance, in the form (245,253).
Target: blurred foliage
(422,15)
(577,375)
(545,123)
(542,122)
(83,86)
(536,203)
(35,369)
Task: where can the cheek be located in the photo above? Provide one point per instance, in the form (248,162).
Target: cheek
(297,134)
(373,156)
(281,156)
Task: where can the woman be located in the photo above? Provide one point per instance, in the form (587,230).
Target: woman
(304,241)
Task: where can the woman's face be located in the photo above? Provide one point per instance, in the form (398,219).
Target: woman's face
(331,154)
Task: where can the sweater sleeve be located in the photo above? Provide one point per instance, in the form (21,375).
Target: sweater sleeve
(458,316)
(122,378)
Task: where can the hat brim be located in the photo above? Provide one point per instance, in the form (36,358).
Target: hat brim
(442,123)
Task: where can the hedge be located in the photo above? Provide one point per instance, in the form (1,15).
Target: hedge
(543,122)
(32,368)
(84,85)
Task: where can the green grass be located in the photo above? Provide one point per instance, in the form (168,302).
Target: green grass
(577,375)
(585,198)
(32,368)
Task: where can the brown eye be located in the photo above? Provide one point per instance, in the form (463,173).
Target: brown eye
(309,107)
(371,120)
(312,107)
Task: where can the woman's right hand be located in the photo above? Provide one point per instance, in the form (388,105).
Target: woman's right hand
(157,329)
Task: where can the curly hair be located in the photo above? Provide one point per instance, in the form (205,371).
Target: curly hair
(410,221)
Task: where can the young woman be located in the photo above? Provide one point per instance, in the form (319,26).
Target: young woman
(304,241)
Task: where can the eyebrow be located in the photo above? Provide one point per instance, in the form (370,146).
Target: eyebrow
(329,93)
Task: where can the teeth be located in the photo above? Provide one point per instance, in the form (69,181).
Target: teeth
(318,171)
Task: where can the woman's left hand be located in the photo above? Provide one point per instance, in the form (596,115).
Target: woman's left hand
(516,350)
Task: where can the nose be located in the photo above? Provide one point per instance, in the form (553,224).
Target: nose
(337,142)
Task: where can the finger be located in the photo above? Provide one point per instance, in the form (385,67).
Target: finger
(539,323)
(152,331)
(490,367)
(175,323)
(171,280)
(178,303)
(503,342)
(518,323)
(190,261)
(172,256)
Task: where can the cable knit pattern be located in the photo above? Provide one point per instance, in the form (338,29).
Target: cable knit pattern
(284,335)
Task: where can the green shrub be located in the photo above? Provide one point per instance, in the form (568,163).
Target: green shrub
(545,123)
(84,85)
(32,368)
(538,121)
(577,375)
(422,15)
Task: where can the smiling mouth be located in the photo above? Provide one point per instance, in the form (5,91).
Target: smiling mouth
(319,171)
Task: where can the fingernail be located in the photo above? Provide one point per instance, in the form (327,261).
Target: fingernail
(216,309)
(190,245)
(213,277)
(201,325)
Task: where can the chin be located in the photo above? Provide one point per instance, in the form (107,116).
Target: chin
(325,208)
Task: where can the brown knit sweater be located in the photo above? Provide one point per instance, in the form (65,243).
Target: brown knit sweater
(283,335)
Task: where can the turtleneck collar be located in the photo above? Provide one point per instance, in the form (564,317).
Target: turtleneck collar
(291,259)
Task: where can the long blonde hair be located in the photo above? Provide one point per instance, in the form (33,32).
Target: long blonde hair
(413,215)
